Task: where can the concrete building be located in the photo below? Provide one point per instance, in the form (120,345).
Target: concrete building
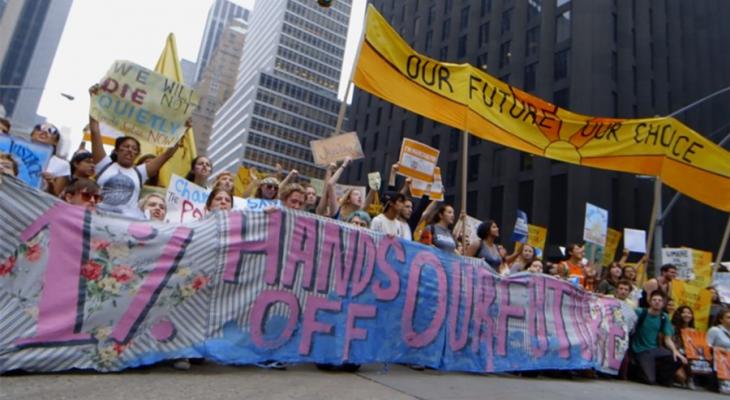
(30,31)
(219,15)
(218,80)
(286,90)
(622,58)
(188,71)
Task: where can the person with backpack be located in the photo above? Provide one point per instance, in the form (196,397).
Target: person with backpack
(652,347)
(120,180)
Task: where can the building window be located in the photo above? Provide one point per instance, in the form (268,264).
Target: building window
(473,168)
(444,53)
(451,173)
(447,6)
(359,170)
(472,202)
(504,54)
(416,26)
(445,29)
(562,63)
(486,7)
(431,12)
(419,125)
(484,34)
(436,141)
(474,141)
(561,98)
(375,139)
(429,39)
(482,61)
(614,65)
(367,122)
(526,160)
(497,161)
(506,21)
(524,196)
(562,27)
(504,78)
(559,3)
(534,8)
(530,73)
(377,117)
(532,41)
(462,47)
(558,208)
(496,203)
(454,140)
(464,19)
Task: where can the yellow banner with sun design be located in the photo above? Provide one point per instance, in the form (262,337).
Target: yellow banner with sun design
(466,97)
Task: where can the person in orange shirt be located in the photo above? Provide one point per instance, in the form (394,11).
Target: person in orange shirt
(574,265)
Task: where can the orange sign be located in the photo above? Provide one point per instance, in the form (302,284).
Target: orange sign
(417,160)
(695,345)
(722,363)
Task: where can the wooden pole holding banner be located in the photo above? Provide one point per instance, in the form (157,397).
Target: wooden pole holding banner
(723,246)
(343,105)
(464,171)
(655,210)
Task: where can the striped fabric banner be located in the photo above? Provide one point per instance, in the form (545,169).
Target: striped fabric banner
(80,289)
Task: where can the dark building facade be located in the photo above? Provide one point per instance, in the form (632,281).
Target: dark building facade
(612,58)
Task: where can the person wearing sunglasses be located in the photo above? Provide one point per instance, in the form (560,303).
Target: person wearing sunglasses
(58,169)
(268,189)
(83,193)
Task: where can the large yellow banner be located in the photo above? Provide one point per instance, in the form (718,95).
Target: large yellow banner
(465,97)
(696,297)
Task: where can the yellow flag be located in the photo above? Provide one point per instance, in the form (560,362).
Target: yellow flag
(469,99)
(696,297)
(169,65)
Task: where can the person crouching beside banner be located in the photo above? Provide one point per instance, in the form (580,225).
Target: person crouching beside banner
(82,193)
(653,362)
(121,181)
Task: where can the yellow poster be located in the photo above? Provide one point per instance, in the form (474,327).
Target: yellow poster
(467,98)
(244,177)
(696,297)
(702,263)
(613,237)
(536,236)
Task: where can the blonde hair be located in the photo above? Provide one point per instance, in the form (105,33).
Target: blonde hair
(143,201)
(287,190)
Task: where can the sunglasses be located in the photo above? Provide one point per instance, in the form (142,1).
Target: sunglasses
(91,196)
(270,186)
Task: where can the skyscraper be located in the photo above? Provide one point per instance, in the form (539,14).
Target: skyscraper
(286,91)
(29,34)
(218,80)
(188,71)
(609,58)
(219,15)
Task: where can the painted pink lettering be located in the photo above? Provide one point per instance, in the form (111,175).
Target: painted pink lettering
(536,324)
(462,280)
(364,264)
(559,288)
(261,305)
(302,248)
(410,336)
(310,325)
(506,311)
(61,305)
(352,332)
(483,324)
(391,292)
(237,247)
(153,284)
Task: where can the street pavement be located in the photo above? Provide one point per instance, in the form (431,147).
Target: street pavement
(214,382)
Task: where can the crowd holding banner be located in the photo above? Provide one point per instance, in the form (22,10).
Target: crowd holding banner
(267,268)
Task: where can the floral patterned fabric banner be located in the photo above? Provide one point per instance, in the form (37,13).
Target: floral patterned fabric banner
(85,290)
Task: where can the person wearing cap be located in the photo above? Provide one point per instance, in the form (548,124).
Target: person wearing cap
(388,222)
(268,189)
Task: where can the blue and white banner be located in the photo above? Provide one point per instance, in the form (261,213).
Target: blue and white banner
(32,158)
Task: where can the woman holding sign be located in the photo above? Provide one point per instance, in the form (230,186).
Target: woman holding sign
(120,180)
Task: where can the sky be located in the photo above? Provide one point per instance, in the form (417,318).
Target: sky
(99,32)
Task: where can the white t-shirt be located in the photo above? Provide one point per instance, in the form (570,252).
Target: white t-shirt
(393,227)
(57,166)
(407,234)
(120,187)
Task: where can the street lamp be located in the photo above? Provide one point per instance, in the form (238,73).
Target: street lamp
(21,87)
(656,230)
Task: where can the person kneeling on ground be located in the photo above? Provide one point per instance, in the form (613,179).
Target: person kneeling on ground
(656,364)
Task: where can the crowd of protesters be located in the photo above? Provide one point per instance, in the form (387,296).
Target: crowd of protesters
(113,183)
